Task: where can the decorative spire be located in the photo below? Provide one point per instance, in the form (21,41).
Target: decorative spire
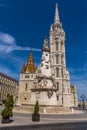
(23,69)
(46,43)
(30,64)
(56,20)
(45,46)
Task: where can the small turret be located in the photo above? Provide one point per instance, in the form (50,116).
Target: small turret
(23,69)
(45,46)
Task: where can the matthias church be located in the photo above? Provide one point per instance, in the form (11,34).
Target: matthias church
(49,83)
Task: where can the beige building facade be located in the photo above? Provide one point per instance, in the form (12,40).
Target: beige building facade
(8,85)
(74,97)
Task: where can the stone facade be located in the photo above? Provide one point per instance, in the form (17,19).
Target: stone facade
(27,78)
(50,82)
(74,97)
(8,85)
(58,61)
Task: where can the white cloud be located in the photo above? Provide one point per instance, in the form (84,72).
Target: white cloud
(26,48)
(6,38)
(8,44)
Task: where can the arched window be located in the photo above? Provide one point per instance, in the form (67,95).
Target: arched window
(57,72)
(62,46)
(56,59)
(57,97)
(62,59)
(57,86)
(26,86)
(56,46)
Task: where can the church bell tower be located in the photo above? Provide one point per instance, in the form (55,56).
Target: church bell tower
(58,60)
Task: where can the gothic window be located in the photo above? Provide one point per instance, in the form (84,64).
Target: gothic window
(26,86)
(62,59)
(56,59)
(26,76)
(57,97)
(57,86)
(62,72)
(56,46)
(31,76)
(46,54)
(25,98)
(61,45)
(57,72)
(47,67)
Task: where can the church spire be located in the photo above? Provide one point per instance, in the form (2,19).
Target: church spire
(30,64)
(56,20)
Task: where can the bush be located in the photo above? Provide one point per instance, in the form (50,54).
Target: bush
(6,112)
(36,108)
(9,102)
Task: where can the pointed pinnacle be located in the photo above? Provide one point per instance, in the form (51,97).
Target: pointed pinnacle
(56,20)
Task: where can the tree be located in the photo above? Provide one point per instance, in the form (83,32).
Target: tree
(7,111)
(36,115)
(36,108)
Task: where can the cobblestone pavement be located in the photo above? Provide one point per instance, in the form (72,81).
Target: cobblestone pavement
(50,126)
(25,119)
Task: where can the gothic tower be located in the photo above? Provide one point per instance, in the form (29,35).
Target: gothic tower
(27,76)
(58,61)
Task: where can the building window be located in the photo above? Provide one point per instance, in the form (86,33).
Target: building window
(62,59)
(47,67)
(62,46)
(57,72)
(62,72)
(25,98)
(57,97)
(46,54)
(26,86)
(27,76)
(56,59)
(57,86)
(56,46)
(31,76)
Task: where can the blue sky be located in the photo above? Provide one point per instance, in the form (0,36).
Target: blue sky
(25,23)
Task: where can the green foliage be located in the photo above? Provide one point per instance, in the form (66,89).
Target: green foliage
(6,112)
(36,108)
(9,102)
